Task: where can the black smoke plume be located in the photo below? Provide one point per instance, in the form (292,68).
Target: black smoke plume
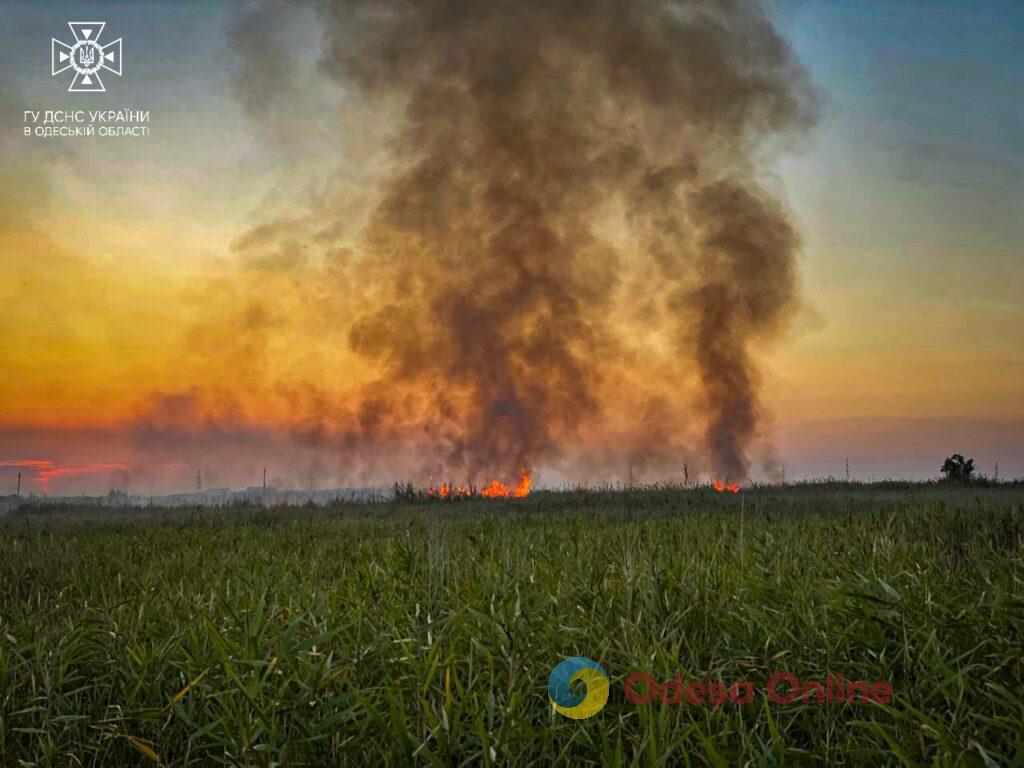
(572,253)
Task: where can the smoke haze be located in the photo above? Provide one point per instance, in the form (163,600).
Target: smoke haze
(550,241)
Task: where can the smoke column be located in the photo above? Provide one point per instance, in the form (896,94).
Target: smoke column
(571,255)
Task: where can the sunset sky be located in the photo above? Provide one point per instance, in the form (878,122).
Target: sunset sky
(119,256)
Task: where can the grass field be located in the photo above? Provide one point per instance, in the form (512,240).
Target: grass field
(424,634)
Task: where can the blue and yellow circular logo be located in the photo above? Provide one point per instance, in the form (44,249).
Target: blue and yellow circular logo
(575,705)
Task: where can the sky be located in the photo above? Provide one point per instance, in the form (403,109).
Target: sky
(116,254)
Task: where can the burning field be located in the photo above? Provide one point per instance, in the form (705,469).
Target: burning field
(552,241)
(493,489)
(412,395)
(544,234)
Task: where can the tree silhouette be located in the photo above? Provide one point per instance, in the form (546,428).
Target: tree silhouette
(957,469)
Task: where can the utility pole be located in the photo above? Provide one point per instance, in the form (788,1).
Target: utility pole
(996,476)
(264,478)
(686,474)
(19,483)
(847,469)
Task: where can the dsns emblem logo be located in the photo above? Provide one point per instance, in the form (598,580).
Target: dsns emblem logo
(579,670)
(85,56)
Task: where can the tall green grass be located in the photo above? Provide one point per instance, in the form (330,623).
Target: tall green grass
(424,634)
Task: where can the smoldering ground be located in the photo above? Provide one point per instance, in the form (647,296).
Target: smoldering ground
(548,241)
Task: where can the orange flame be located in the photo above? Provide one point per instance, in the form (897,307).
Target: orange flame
(493,490)
(449,491)
(719,486)
(499,490)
